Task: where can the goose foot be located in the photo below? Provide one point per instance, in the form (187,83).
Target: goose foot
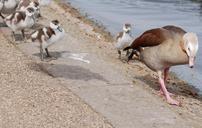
(2,16)
(165,92)
(173,102)
(119,52)
(160,92)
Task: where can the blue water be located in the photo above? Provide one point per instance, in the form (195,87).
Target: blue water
(146,14)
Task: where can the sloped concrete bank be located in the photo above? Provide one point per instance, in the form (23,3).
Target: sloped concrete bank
(124,94)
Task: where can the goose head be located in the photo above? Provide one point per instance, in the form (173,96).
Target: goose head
(29,11)
(191,47)
(127,28)
(54,24)
(35,5)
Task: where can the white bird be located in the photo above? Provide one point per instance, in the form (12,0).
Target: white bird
(19,20)
(8,6)
(124,39)
(24,4)
(47,36)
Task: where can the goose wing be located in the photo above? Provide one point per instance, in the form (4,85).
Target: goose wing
(150,38)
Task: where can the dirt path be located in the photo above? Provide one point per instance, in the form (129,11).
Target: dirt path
(124,94)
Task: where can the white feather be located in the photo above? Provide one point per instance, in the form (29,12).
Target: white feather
(124,41)
(34,35)
(54,38)
(9,6)
(22,24)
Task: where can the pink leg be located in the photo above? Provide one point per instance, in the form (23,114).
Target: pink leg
(160,92)
(166,71)
(165,92)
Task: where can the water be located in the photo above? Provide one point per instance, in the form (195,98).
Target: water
(145,14)
(45,2)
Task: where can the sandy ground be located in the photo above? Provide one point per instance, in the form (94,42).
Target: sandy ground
(126,94)
(29,98)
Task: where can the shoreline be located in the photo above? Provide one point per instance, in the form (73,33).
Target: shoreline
(141,77)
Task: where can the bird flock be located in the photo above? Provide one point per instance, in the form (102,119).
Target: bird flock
(158,48)
(24,14)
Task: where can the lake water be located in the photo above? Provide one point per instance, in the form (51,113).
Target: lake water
(146,14)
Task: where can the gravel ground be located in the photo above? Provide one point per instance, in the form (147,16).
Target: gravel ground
(30,98)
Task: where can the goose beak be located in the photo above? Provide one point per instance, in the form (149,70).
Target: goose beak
(60,29)
(191,62)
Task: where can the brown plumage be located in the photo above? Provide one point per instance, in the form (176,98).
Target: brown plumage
(47,36)
(26,3)
(23,3)
(166,47)
(149,38)
(167,53)
(19,16)
(154,37)
(49,33)
(174,29)
(119,35)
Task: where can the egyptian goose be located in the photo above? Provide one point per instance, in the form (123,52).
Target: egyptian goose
(124,39)
(19,20)
(47,36)
(166,47)
(24,4)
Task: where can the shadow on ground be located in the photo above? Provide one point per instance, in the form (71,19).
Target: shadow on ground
(54,54)
(3,25)
(18,37)
(67,71)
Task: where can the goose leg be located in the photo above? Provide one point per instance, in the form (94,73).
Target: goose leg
(119,52)
(39,15)
(165,92)
(23,35)
(127,52)
(166,71)
(48,55)
(2,16)
(41,52)
(131,55)
(13,36)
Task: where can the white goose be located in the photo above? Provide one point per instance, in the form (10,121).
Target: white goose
(24,4)
(19,20)
(8,6)
(47,36)
(124,39)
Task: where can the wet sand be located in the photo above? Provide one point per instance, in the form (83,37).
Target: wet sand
(95,41)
